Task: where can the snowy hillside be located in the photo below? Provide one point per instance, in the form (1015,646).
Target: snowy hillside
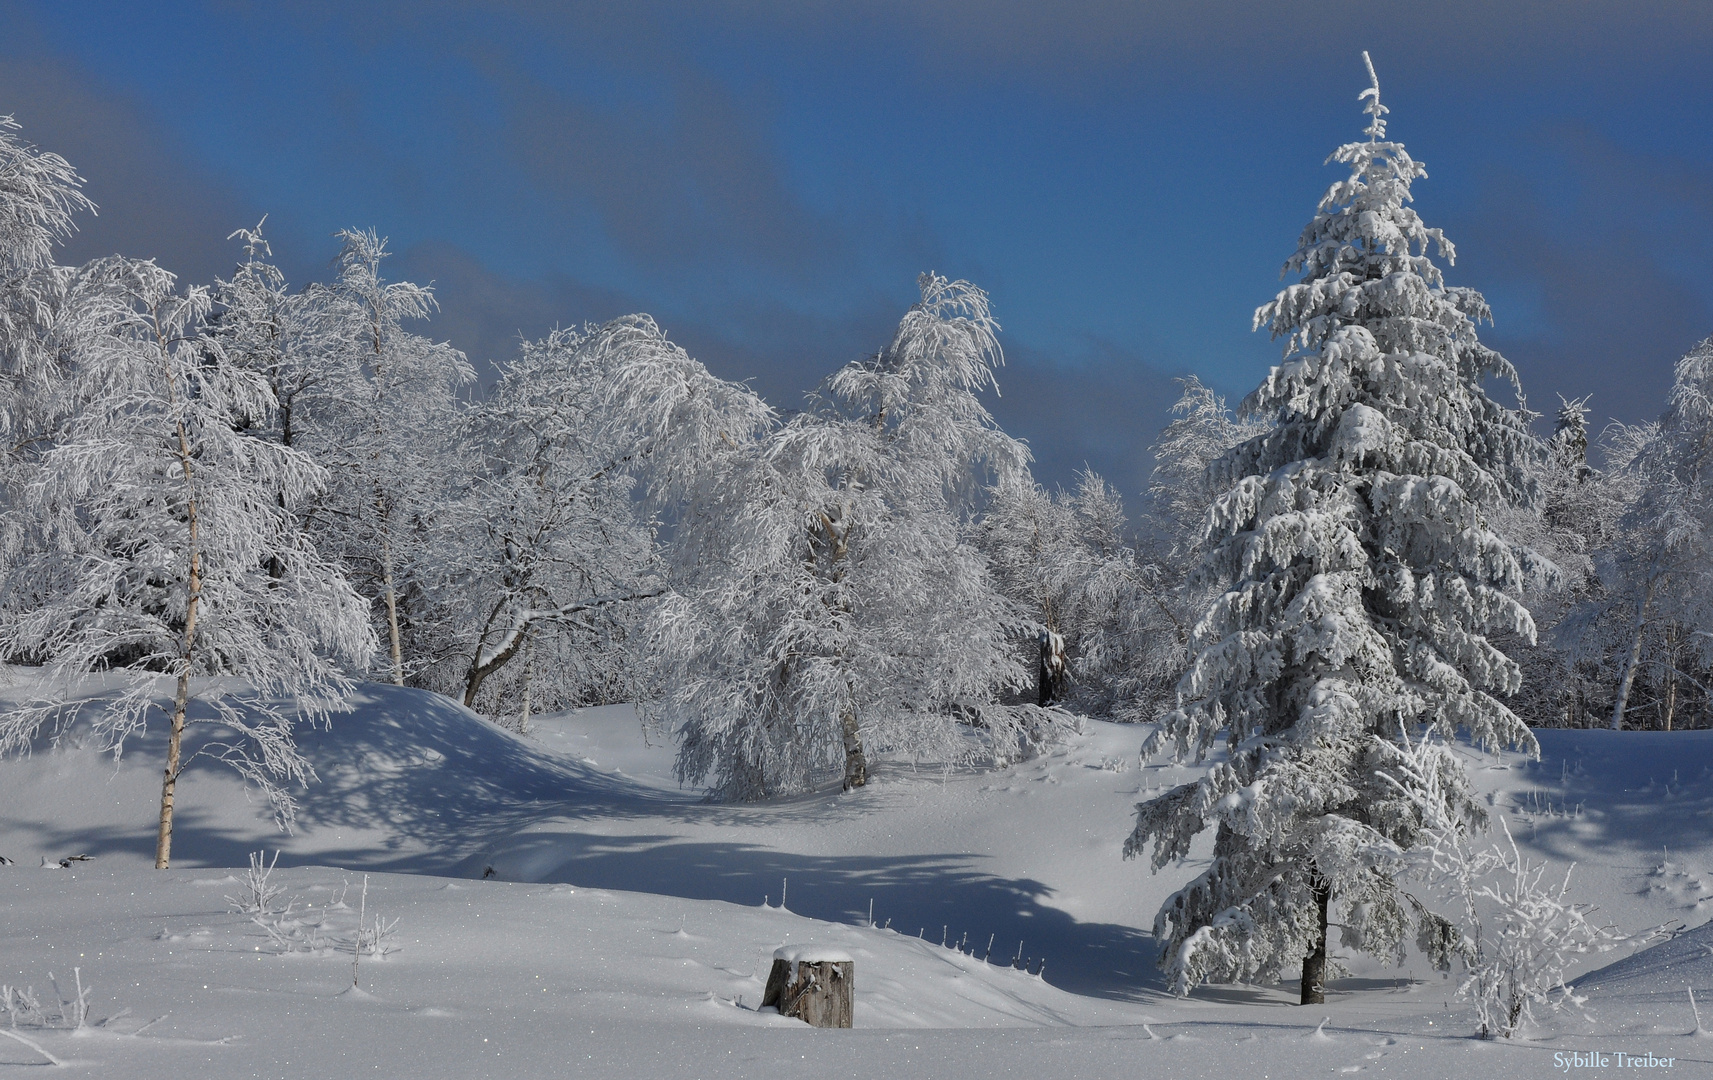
(620,928)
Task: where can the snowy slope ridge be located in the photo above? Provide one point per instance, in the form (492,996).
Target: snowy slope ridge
(1664,971)
(560,897)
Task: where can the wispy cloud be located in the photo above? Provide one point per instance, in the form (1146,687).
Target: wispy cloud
(156,199)
(1616,248)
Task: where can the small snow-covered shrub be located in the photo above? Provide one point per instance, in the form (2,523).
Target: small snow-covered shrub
(317,930)
(259,894)
(24,1006)
(1515,931)
(373,937)
(1535,928)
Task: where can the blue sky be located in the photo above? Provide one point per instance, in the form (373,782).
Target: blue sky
(768,178)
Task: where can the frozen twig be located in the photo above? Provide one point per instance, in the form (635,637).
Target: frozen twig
(13,1035)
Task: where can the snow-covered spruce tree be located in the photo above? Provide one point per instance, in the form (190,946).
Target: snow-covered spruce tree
(548,554)
(1361,582)
(163,544)
(830,603)
(382,425)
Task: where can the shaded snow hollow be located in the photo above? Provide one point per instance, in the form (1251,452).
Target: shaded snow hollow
(565,909)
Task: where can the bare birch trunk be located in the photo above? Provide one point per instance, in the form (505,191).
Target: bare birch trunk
(856,765)
(528,677)
(392,609)
(181,699)
(1634,660)
(1669,706)
(169,782)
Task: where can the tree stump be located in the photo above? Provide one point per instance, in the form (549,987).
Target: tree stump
(814,984)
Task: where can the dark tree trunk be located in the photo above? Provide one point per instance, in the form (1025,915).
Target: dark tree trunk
(1314,964)
(474,677)
(1050,673)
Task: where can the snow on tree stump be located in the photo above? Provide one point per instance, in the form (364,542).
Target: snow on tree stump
(816,985)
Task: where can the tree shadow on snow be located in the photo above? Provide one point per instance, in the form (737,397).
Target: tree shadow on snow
(433,780)
(1604,789)
(412,782)
(937,897)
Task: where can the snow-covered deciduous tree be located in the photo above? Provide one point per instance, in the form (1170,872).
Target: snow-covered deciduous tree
(1100,629)
(756,639)
(1182,487)
(39,195)
(547,554)
(929,449)
(1181,491)
(1361,582)
(547,540)
(1575,526)
(1665,562)
(1129,649)
(163,545)
(1029,536)
(829,600)
(290,339)
(382,425)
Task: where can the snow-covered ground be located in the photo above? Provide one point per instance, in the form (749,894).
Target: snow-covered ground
(564,909)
